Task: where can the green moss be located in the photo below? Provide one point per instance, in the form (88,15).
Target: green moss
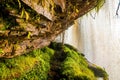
(40,71)
(10,68)
(99,72)
(37,64)
(31,66)
(75,66)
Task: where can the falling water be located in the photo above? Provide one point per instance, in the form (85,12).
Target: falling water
(97,35)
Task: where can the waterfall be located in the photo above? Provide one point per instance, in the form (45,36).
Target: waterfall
(97,35)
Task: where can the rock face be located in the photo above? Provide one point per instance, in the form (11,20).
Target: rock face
(26,24)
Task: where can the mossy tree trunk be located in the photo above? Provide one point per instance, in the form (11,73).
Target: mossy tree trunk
(30,24)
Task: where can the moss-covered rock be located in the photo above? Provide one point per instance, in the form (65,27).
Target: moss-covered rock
(33,24)
(75,67)
(33,66)
(56,62)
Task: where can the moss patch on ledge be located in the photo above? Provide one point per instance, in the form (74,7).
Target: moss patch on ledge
(75,67)
(33,66)
(56,62)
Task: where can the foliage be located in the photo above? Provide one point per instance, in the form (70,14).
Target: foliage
(40,71)
(32,66)
(9,68)
(11,10)
(75,66)
(99,4)
(37,64)
(99,72)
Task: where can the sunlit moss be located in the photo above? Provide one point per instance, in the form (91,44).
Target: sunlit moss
(75,66)
(37,64)
(40,70)
(9,68)
(32,66)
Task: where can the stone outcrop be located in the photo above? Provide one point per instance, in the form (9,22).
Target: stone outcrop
(30,24)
